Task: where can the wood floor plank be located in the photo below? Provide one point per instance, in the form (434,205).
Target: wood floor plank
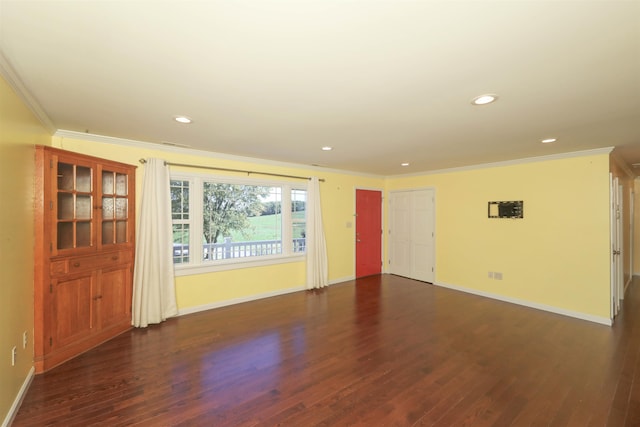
(378,351)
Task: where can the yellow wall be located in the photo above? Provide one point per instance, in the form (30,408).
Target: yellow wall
(556,256)
(338,198)
(19,131)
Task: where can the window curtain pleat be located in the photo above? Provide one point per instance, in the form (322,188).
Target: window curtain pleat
(316,245)
(154,296)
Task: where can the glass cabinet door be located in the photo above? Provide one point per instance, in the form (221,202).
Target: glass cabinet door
(75,201)
(115,207)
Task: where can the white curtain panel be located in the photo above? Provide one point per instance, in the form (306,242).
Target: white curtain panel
(316,245)
(154,294)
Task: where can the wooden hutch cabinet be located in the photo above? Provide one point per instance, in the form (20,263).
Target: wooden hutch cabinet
(84,253)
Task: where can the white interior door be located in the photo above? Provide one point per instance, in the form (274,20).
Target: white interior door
(423,235)
(620,240)
(400,258)
(411,235)
(632,225)
(616,245)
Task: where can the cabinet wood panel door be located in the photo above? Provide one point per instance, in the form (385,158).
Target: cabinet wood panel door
(114,298)
(72,309)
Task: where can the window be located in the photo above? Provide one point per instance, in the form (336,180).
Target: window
(236,221)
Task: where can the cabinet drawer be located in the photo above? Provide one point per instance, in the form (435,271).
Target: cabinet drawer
(59,267)
(98,261)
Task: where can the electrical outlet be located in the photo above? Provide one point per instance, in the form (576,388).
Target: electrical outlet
(14,352)
(491,275)
(497,276)
(24,339)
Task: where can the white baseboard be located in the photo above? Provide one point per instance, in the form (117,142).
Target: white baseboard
(19,398)
(342,279)
(544,307)
(218,304)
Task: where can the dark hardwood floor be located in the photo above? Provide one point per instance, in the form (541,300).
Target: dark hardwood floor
(379,351)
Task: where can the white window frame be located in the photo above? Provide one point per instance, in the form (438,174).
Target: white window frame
(196,264)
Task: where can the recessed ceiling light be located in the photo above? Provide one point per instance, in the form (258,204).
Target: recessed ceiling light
(487,98)
(182,119)
(549,140)
(404,164)
(327,148)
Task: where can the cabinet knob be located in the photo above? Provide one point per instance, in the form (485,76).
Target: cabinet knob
(76,264)
(115,257)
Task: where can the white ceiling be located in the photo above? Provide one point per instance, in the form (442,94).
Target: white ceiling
(383,82)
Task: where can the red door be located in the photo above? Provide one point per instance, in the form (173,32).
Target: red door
(368,232)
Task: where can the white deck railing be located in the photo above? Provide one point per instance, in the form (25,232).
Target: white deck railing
(229,249)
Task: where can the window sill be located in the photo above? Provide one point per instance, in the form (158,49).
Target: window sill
(236,264)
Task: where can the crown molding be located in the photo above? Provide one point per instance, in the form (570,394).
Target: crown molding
(11,77)
(525,160)
(199,153)
(215,155)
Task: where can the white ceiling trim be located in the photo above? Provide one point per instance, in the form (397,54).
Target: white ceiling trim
(199,153)
(189,151)
(559,156)
(11,77)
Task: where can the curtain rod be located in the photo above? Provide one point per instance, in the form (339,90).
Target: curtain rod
(143,161)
